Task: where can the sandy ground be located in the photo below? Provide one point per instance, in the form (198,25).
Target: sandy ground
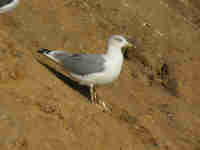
(154,103)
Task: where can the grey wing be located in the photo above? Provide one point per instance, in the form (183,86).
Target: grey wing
(5,2)
(81,64)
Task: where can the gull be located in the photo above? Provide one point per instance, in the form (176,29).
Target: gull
(7,5)
(92,69)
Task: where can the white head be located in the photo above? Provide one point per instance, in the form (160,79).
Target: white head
(118,41)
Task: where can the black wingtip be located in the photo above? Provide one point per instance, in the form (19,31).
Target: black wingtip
(43,50)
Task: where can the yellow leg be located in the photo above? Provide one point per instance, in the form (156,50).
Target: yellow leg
(95,95)
(94,99)
(92,93)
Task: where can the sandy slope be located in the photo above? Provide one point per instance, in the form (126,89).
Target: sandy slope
(155,101)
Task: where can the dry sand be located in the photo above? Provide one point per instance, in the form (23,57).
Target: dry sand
(155,102)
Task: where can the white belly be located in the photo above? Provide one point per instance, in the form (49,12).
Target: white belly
(112,70)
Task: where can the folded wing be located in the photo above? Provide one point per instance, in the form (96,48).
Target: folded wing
(80,64)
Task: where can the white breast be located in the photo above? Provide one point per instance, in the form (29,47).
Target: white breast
(113,67)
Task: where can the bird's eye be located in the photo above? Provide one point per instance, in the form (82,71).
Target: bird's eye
(118,39)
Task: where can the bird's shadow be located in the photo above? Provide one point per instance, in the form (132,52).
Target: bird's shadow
(83,90)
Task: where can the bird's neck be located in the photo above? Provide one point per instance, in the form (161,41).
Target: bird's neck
(113,51)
